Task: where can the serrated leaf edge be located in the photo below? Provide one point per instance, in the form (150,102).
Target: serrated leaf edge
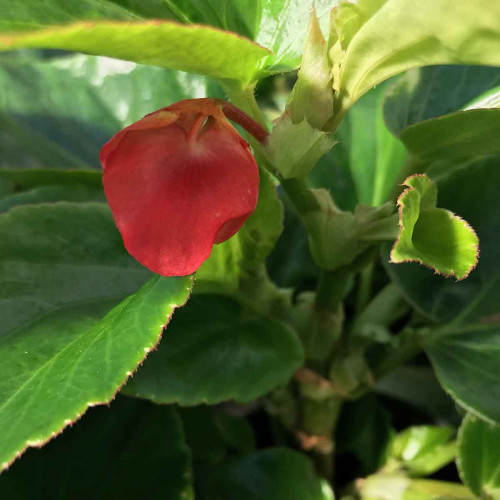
(79,413)
(400,204)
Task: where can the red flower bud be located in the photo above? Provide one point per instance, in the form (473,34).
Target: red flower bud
(178,181)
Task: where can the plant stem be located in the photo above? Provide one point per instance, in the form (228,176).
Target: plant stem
(331,289)
(364,288)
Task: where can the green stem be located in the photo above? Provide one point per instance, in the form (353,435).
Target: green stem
(364,288)
(300,195)
(331,289)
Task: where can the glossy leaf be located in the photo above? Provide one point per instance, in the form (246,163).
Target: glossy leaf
(214,353)
(466,362)
(479,457)
(83,461)
(423,450)
(59,113)
(424,93)
(123,34)
(282,475)
(458,135)
(477,297)
(433,236)
(381,38)
(279,25)
(62,268)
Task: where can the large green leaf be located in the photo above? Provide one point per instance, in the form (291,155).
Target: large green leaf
(62,268)
(275,473)
(479,457)
(60,112)
(33,186)
(466,362)
(279,25)
(458,135)
(380,38)
(213,352)
(433,236)
(471,191)
(108,454)
(424,93)
(103,28)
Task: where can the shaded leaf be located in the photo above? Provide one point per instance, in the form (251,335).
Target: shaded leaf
(213,353)
(103,456)
(424,93)
(479,457)
(458,135)
(275,473)
(430,235)
(466,362)
(364,429)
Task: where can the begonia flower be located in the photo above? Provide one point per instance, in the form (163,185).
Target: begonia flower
(178,181)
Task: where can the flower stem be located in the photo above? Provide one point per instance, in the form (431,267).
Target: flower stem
(241,118)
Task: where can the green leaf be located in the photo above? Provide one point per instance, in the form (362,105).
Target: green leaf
(292,149)
(479,457)
(290,263)
(457,135)
(398,486)
(478,297)
(62,268)
(33,186)
(424,93)
(364,429)
(433,236)
(59,113)
(424,450)
(212,434)
(195,48)
(213,352)
(466,361)
(375,156)
(418,386)
(245,251)
(103,456)
(312,95)
(381,38)
(281,474)
(279,25)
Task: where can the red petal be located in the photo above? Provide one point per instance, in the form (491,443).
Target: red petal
(173,199)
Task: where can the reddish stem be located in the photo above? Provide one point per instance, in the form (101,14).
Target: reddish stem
(241,118)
